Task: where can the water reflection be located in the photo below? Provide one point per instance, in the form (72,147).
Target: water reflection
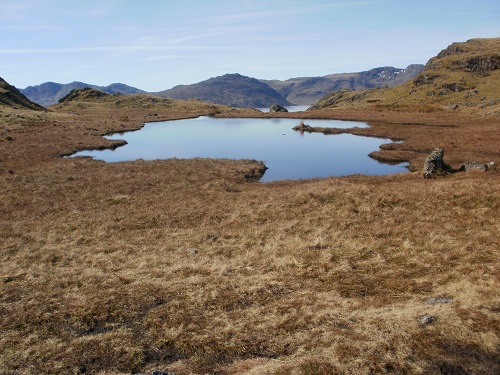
(288,154)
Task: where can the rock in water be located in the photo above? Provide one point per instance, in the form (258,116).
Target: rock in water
(277,108)
(301,127)
(434,163)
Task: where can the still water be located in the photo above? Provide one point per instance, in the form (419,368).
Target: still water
(287,153)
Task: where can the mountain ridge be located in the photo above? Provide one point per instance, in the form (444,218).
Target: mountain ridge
(308,90)
(237,90)
(463,77)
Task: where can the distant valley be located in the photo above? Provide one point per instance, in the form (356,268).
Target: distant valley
(237,90)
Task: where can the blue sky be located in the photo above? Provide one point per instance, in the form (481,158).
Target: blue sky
(157,44)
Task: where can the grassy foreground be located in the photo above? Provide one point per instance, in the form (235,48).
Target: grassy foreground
(190,267)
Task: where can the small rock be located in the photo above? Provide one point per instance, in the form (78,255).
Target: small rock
(301,127)
(162,373)
(193,251)
(277,108)
(438,300)
(426,320)
(472,165)
(491,166)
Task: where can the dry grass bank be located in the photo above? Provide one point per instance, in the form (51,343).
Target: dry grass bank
(183,265)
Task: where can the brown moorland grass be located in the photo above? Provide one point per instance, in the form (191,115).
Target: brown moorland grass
(187,266)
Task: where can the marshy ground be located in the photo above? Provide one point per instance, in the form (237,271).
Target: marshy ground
(191,266)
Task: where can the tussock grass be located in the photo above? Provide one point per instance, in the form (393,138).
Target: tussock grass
(185,266)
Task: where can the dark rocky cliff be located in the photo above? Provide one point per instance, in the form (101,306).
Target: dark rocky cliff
(12,97)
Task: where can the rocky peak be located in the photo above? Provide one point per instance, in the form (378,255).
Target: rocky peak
(475,55)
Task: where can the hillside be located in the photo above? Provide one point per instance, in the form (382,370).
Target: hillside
(464,77)
(12,97)
(308,90)
(234,90)
(49,93)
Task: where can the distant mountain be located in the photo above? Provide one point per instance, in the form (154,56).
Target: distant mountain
(464,77)
(12,97)
(233,90)
(49,93)
(308,90)
(237,90)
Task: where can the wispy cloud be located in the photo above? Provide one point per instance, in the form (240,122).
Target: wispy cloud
(168,57)
(24,51)
(284,9)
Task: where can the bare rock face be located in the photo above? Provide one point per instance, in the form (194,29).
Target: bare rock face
(277,108)
(434,163)
(481,64)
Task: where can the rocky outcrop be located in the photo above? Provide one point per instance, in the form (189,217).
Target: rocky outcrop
(481,64)
(474,56)
(277,108)
(434,164)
